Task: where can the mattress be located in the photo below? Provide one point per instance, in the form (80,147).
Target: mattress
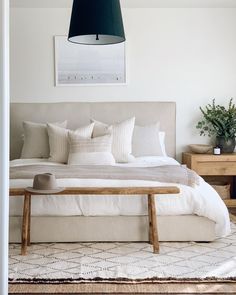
(202,200)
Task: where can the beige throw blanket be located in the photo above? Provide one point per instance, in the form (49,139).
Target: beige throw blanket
(167,174)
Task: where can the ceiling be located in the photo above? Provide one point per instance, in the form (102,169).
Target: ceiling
(132,3)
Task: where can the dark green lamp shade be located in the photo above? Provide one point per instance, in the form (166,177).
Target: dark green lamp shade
(96,22)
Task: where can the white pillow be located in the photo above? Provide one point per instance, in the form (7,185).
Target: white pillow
(91,151)
(121,138)
(58,141)
(146,141)
(162,136)
(36,144)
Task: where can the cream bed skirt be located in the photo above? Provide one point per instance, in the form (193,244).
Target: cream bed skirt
(113,228)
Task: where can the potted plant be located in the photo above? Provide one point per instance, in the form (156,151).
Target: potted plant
(220,122)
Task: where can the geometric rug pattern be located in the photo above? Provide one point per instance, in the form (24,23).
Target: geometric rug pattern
(84,261)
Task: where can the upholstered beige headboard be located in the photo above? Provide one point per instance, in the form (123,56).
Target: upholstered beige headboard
(79,113)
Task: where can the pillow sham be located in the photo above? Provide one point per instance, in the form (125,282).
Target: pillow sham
(36,143)
(121,138)
(146,141)
(91,151)
(58,141)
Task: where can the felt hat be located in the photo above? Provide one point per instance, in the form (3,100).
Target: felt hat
(45,183)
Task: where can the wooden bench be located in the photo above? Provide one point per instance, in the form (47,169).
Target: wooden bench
(150,192)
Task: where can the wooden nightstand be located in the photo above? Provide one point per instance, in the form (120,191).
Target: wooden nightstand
(214,167)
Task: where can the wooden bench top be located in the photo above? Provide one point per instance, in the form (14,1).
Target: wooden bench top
(106,191)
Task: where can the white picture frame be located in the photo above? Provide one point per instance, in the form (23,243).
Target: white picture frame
(89,65)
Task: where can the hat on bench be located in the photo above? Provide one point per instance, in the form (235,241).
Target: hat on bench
(45,183)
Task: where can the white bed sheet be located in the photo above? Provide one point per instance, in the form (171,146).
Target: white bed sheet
(202,200)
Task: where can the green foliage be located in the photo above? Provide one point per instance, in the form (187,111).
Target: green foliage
(218,120)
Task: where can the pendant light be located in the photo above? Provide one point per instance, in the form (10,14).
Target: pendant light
(96,22)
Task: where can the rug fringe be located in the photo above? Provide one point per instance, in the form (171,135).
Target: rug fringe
(124,280)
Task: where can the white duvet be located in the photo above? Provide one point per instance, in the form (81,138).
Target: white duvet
(202,200)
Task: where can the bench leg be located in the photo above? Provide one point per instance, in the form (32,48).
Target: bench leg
(150,220)
(29,222)
(25,224)
(153,228)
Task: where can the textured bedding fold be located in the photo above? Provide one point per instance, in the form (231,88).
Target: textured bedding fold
(167,174)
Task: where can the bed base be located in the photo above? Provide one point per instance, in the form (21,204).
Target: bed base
(113,228)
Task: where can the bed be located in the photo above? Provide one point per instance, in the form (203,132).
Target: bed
(198,214)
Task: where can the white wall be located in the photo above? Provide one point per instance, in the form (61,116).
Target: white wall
(182,55)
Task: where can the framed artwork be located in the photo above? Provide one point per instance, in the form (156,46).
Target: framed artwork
(77,64)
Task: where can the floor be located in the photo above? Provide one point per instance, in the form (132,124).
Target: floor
(186,288)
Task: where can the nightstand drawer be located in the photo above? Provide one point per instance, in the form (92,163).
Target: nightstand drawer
(215,168)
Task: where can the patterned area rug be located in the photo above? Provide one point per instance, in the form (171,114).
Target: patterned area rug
(76,262)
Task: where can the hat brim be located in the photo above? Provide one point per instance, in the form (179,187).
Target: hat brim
(45,192)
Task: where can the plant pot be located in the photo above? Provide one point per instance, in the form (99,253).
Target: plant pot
(226,146)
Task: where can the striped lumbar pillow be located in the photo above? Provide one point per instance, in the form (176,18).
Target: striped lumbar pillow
(91,151)
(58,141)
